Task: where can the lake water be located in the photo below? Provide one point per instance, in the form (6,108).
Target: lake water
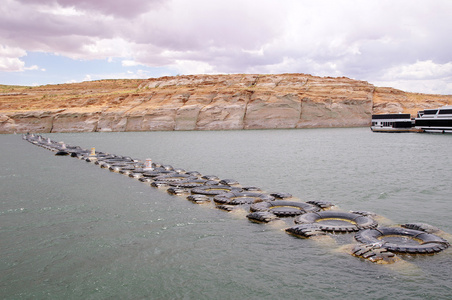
(71,230)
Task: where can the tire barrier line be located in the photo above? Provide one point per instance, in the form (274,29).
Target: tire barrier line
(311,218)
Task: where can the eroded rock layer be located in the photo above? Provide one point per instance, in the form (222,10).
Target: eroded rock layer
(203,102)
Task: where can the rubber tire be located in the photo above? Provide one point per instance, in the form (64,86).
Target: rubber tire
(356,221)
(430,243)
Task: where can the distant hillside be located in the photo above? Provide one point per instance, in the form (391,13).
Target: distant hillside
(203,102)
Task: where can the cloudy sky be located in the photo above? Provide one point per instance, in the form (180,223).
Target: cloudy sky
(406,44)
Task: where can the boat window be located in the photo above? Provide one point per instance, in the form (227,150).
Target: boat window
(445,111)
(430,112)
(391,116)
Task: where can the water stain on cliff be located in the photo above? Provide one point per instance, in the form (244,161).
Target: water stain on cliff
(204,102)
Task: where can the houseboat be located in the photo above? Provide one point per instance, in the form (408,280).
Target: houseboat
(392,123)
(435,120)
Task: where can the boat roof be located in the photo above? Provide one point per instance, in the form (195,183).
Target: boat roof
(391,116)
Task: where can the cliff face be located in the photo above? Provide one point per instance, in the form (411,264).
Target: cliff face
(202,102)
(389,100)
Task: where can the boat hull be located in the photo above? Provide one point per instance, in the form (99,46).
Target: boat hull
(394,130)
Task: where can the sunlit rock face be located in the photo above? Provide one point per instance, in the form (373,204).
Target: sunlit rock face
(204,102)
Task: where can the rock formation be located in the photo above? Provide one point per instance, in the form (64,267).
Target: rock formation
(203,102)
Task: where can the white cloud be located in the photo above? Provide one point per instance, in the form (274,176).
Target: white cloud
(428,86)
(139,74)
(32,68)
(59,10)
(419,70)
(375,40)
(129,63)
(10,64)
(103,48)
(426,76)
(10,59)
(192,67)
(11,52)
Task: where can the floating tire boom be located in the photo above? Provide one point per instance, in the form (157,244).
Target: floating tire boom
(311,218)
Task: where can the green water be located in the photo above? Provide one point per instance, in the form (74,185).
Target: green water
(70,230)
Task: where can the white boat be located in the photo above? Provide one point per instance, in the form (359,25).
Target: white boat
(435,120)
(392,123)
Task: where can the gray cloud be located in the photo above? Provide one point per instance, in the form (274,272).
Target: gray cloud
(117,8)
(369,40)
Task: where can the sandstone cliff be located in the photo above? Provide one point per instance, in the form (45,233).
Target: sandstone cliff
(203,102)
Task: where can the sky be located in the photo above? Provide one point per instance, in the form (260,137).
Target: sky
(405,44)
